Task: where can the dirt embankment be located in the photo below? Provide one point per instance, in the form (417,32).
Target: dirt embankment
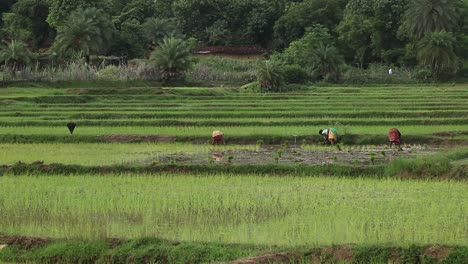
(347,253)
(22,242)
(269,154)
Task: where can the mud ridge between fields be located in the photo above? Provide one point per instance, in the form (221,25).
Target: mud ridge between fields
(23,242)
(138,138)
(328,254)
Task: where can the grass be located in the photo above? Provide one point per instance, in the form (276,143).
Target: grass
(247,209)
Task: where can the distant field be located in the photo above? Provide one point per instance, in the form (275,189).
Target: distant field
(197,111)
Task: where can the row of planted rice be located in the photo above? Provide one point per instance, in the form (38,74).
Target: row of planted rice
(181,111)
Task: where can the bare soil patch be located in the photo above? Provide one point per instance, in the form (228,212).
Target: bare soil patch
(138,138)
(282,257)
(437,251)
(23,242)
(361,155)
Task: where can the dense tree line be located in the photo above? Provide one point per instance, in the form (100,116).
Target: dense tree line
(318,35)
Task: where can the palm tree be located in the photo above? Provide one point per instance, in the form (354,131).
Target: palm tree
(425,16)
(173,58)
(326,62)
(14,55)
(269,76)
(87,31)
(157,29)
(436,51)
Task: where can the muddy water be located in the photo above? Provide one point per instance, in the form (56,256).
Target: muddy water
(363,155)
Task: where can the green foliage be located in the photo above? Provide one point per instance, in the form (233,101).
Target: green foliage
(17,27)
(110,73)
(293,73)
(60,10)
(34,14)
(130,41)
(436,51)
(370,254)
(369,28)
(326,63)
(156,29)
(228,22)
(172,58)
(426,16)
(301,15)
(15,55)
(458,255)
(85,32)
(138,10)
(134,36)
(226,70)
(269,76)
(316,53)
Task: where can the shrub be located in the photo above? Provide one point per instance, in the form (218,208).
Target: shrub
(109,73)
(423,74)
(172,58)
(269,76)
(293,73)
(219,69)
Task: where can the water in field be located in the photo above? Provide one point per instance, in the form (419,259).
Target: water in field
(100,154)
(237,209)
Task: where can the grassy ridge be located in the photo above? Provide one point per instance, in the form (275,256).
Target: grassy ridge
(147,250)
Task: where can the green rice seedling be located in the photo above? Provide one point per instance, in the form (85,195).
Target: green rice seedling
(244,208)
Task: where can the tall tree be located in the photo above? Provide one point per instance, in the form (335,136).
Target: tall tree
(86,31)
(436,51)
(326,62)
(301,15)
(60,10)
(15,55)
(426,16)
(158,28)
(173,58)
(368,31)
(228,21)
(131,40)
(316,52)
(34,14)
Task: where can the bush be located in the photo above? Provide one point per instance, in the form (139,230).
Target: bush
(293,73)
(269,76)
(109,73)
(378,74)
(424,74)
(251,87)
(138,69)
(219,69)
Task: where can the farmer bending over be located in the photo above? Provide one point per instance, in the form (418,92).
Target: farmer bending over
(330,135)
(394,137)
(217,137)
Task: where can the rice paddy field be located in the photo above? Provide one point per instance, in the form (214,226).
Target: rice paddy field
(139,166)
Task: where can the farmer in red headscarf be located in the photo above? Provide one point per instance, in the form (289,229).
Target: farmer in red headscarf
(217,137)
